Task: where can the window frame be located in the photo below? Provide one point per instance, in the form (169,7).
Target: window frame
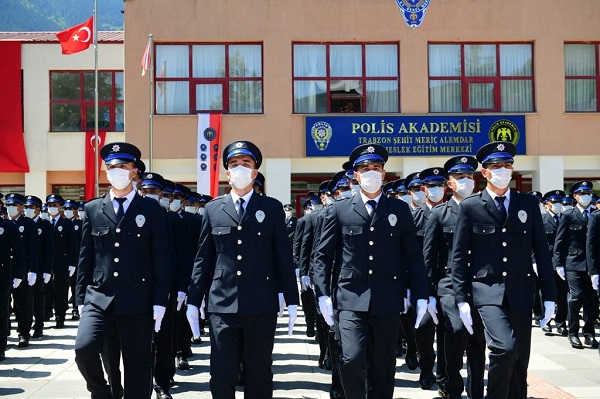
(194,81)
(595,77)
(328,77)
(496,80)
(85,103)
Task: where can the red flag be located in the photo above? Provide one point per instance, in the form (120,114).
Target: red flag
(90,178)
(208,153)
(146,59)
(77,38)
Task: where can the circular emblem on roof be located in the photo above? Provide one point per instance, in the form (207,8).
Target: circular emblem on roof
(239,145)
(436,172)
(116,148)
(464,160)
(504,130)
(210,134)
(149,175)
(370,149)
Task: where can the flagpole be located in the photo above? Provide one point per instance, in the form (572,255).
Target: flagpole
(151,121)
(96,138)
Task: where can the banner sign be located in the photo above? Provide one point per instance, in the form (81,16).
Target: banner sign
(411,135)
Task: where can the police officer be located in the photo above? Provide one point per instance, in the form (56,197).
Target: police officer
(496,232)
(259,184)
(71,209)
(307,295)
(593,251)
(12,270)
(122,277)
(352,261)
(417,195)
(570,262)
(552,202)
(290,221)
(65,257)
(241,288)
(33,206)
(401,191)
(23,294)
(437,249)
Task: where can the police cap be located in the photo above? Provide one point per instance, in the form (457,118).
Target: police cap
(55,198)
(436,175)
(242,147)
(168,187)
(412,180)
(260,179)
(581,186)
(152,180)
(15,198)
(33,200)
(367,154)
(536,194)
(399,187)
(496,152)
(461,164)
(119,153)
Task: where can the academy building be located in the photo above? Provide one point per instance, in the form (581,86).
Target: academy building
(307,81)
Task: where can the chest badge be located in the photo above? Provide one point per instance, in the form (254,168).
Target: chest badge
(21,229)
(140,220)
(392,219)
(260,216)
(59,228)
(76,227)
(522,216)
(39,232)
(1,230)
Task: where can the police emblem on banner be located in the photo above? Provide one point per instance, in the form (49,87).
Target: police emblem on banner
(321,133)
(504,130)
(413,11)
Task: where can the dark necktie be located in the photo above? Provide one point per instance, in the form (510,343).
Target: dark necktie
(586,214)
(121,210)
(501,207)
(240,210)
(557,219)
(373,204)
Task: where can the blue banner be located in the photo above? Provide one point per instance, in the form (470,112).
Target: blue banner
(411,135)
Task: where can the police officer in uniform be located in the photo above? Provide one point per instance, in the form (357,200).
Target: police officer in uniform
(71,213)
(570,262)
(593,251)
(290,221)
(23,294)
(417,195)
(437,249)
(241,288)
(307,295)
(496,232)
(352,264)
(122,277)
(12,270)
(33,207)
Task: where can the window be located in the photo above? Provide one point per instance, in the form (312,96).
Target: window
(582,79)
(192,78)
(72,101)
(345,78)
(481,77)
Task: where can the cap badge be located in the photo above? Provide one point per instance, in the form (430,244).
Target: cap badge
(584,183)
(522,216)
(239,145)
(12,196)
(557,192)
(500,147)
(29,197)
(260,216)
(370,149)
(149,175)
(436,172)
(140,220)
(116,148)
(392,219)
(463,160)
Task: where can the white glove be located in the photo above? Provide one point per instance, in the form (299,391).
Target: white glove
(80,309)
(595,281)
(432,309)
(16,282)
(305,282)
(326,308)
(297,273)
(281,304)
(31,277)
(561,272)
(159,313)
(421,310)
(406,302)
(71,270)
(293,313)
(465,315)
(192,316)
(548,312)
(202,310)
(535,269)
(180,299)
(47,277)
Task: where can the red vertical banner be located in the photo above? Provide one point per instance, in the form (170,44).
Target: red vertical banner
(90,156)
(13,157)
(208,153)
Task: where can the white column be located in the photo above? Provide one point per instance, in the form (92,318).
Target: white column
(549,174)
(411,165)
(278,178)
(36,183)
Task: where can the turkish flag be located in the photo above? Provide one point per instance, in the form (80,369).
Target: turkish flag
(90,178)
(77,38)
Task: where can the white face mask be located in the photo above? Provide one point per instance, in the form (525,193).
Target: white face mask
(405,198)
(81,214)
(288,214)
(328,201)
(29,212)
(44,215)
(584,200)
(190,209)
(418,198)
(500,177)
(12,211)
(317,207)
(370,181)
(240,176)
(118,178)
(435,194)
(164,202)
(201,211)
(355,189)
(53,210)
(346,194)
(69,213)
(464,187)
(556,208)
(567,208)
(175,205)
(152,196)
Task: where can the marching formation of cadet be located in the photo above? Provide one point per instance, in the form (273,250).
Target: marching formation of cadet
(424,267)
